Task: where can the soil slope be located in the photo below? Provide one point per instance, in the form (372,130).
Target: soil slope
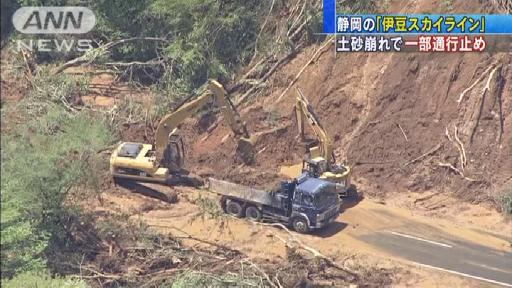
(365,101)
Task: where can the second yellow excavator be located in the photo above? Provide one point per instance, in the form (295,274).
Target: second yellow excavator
(163,162)
(320,163)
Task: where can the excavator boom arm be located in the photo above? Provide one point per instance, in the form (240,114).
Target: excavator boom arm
(169,122)
(304,112)
(228,109)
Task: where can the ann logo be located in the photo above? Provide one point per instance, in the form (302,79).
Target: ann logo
(35,20)
(53,20)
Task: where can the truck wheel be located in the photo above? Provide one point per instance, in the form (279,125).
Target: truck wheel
(234,208)
(253,213)
(300,225)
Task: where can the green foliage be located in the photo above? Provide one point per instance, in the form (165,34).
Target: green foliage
(7,9)
(197,279)
(315,25)
(56,88)
(120,226)
(361,6)
(385,5)
(210,208)
(447,5)
(504,199)
(273,117)
(42,280)
(42,161)
(213,38)
(206,38)
(52,156)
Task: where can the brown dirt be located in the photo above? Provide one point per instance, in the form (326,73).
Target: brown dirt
(361,99)
(215,153)
(14,83)
(340,242)
(106,91)
(212,238)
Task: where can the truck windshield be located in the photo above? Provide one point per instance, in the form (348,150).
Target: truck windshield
(326,197)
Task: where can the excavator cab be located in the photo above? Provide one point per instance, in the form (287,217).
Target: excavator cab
(337,174)
(314,167)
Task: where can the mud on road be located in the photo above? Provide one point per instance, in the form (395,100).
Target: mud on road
(361,236)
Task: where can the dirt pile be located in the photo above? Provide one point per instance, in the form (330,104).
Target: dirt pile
(389,115)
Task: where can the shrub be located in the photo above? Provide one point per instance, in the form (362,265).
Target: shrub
(42,280)
(52,154)
(58,155)
(197,279)
(57,88)
(504,199)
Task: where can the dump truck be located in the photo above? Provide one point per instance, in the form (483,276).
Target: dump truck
(305,203)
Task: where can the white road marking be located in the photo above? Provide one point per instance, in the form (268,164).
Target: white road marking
(421,239)
(487,267)
(466,275)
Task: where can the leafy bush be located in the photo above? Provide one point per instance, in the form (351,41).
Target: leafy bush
(42,280)
(362,6)
(7,9)
(209,38)
(214,38)
(57,88)
(43,160)
(504,199)
(197,279)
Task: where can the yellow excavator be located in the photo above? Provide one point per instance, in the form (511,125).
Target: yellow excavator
(163,162)
(320,161)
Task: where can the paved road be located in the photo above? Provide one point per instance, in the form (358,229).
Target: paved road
(448,254)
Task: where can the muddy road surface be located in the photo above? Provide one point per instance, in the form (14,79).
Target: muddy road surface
(476,257)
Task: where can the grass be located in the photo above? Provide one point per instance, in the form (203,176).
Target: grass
(199,279)
(43,280)
(448,5)
(504,199)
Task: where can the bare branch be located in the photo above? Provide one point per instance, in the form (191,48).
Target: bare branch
(90,55)
(134,63)
(475,83)
(403,132)
(311,250)
(451,167)
(463,158)
(433,150)
(122,41)
(318,52)
(262,28)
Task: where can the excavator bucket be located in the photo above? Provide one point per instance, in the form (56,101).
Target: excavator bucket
(246,146)
(245,151)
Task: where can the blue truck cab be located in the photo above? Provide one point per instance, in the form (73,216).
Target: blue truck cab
(314,200)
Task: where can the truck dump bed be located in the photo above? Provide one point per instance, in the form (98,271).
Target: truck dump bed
(226,188)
